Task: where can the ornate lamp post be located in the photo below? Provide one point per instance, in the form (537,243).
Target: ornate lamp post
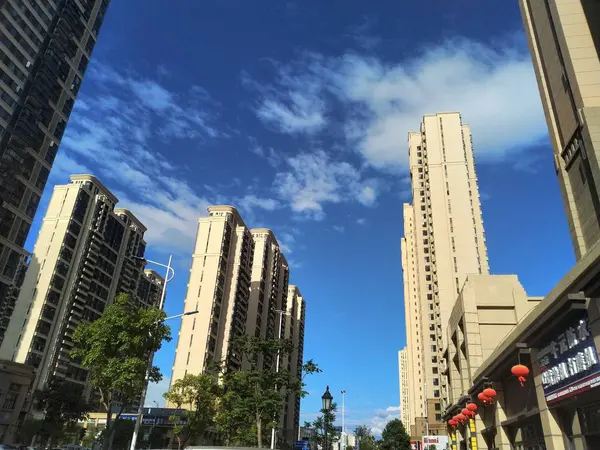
(327,399)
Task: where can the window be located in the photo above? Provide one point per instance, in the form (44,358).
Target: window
(10,400)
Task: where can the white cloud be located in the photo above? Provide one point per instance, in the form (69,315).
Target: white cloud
(251,202)
(339,228)
(292,105)
(313,179)
(116,132)
(361,221)
(155,393)
(382,417)
(494,88)
(286,241)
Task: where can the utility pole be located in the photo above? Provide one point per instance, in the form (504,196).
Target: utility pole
(344,437)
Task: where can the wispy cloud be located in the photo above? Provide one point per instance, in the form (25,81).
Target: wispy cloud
(382,101)
(115,132)
(361,221)
(339,228)
(313,179)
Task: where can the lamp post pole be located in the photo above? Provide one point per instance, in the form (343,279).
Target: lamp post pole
(281,313)
(344,437)
(327,398)
(170,273)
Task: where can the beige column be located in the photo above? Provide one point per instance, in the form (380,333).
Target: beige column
(502,441)
(553,435)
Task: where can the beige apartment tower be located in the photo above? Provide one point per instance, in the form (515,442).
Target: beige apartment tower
(404,387)
(239,283)
(84,256)
(564,40)
(443,242)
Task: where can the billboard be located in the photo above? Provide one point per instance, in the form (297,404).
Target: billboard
(435,442)
(569,363)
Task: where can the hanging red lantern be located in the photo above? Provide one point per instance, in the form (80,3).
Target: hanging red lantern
(461,417)
(483,398)
(520,371)
(472,407)
(452,423)
(467,412)
(489,392)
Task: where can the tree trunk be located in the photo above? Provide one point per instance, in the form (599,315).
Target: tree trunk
(107,438)
(259,430)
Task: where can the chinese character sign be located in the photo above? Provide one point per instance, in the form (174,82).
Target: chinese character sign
(569,364)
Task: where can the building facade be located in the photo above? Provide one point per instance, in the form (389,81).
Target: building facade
(84,256)
(15,380)
(444,242)
(404,389)
(239,283)
(219,289)
(294,331)
(45,48)
(564,40)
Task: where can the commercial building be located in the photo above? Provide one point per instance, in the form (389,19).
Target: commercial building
(557,404)
(404,389)
(443,242)
(239,283)
(564,39)
(45,48)
(486,310)
(84,256)
(14,393)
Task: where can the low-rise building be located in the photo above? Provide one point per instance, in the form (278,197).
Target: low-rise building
(15,380)
(557,404)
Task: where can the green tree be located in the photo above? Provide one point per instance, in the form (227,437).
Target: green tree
(365,437)
(62,406)
(254,397)
(115,349)
(394,436)
(324,423)
(199,395)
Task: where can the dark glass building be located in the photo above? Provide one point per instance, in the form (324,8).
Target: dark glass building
(45,48)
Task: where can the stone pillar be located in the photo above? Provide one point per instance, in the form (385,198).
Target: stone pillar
(553,434)
(501,441)
(472,434)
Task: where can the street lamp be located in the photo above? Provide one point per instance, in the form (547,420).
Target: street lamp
(281,312)
(327,398)
(170,274)
(344,436)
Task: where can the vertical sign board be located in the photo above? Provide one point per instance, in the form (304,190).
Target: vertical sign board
(569,363)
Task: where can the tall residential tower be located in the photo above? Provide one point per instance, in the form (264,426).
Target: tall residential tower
(239,283)
(45,48)
(444,241)
(86,253)
(404,387)
(564,40)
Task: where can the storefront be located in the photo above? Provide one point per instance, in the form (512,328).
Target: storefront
(544,377)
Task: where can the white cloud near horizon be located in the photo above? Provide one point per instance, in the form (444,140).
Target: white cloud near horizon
(493,87)
(155,393)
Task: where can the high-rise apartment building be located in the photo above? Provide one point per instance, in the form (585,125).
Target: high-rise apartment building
(45,47)
(219,288)
(404,387)
(294,331)
(239,283)
(564,40)
(86,253)
(443,243)
(269,290)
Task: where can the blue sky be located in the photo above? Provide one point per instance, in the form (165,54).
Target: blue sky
(297,113)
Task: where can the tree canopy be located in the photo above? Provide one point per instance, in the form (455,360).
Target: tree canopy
(116,349)
(199,396)
(394,436)
(365,438)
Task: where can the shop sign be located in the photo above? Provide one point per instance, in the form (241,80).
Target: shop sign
(415,445)
(437,442)
(569,363)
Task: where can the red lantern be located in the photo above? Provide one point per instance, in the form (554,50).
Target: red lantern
(489,392)
(467,412)
(452,423)
(520,371)
(472,407)
(461,417)
(482,397)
